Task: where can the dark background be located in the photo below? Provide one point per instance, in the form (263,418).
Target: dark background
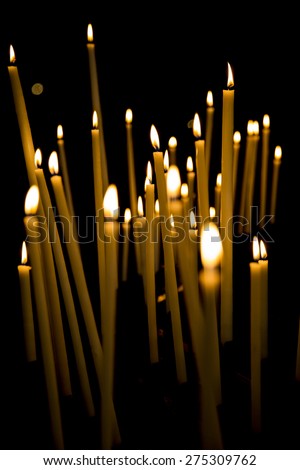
(161,65)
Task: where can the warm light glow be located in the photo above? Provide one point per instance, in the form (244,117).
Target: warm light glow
(193,223)
(166,160)
(60,133)
(237,137)
(128,116)
(149,172)
(38,158)
(12,55)
(266,121)
(156,207)
(263,249)
(210,246)
(255,127)
(172,223)
(53,163)
(219,180)
(111,202)
(140,207)
(255,248)
(278,152)
(184,190)
(189,164)
(154,137)
(24,253)
(250,127)
(212,212)
(32,200)
(127,215)
(95,120)
(90,34)
(147,181)
(197,126)
(172,142)
(230,82)
(173,182)
(209,99)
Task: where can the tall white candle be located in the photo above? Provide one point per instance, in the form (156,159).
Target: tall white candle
(264,266)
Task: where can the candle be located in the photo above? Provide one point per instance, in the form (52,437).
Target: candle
(245,181)
(227,210)
(171,287)
(236,154)
(275,177)
(265,150)
(184,193)
(96,101)
(26,300)
(251,175)
(201,171)
(31,226)
(54,238)
(218,195)
(172,146)
(22,116)
(190,180)
(255,337)
(130,162)
(140,237)
(156,232)
(150,276)
(263,262)
(126,229)
(193,244)
(210,110)
(298,356)
(173,190)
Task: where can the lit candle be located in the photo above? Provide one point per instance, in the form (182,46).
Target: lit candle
(210,110)
(172,290)
(31,224)
(172,146)
(193,244)
(26,300)
(218,195)
(96,101)
(265,150)
(173,190)
(22,117)
(184,192)
(227,210)
(54,238)
(64,168)
(156,230)
(251,175)
(236,154)
(263,262)
(190,180)
(255,337)
(130,162)
(201,171)
(275,178)
(247,166)
(140,237)
(126,228)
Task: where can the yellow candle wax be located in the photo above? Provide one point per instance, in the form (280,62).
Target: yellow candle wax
(173,182)
(236,154)
(140,231)
(251,175)
(265,150)
(130,162)
(227,211)
(246,172)
(218,196)
(264,266)
(275,178)
(209,123)
(31,225)
(190,180)
(156,233)
(27,310)
(126,234)
(184,192)
(201,172)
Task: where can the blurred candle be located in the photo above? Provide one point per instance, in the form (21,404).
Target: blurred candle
(252,175)
(126,229)
(130,162)
(64,168)
(236,154)
(263,262)
(26,300)
(210,110)
(201,171)
(265,150)
(173,190)
(275,178)
(141,231)
(190,179)
(172,146)
(227,210)
(157,235)
(218,196)
(184,192)
(247,167)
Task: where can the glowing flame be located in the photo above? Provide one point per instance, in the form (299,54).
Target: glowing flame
(230,82)
(266,121)
(193,223)
(53,163)
(149,172)
(263,250)
(211,245)
(212,212)
(12,55)
(255,248)
(95,120)
(172,142)
(127,215)
(184,190)
(189,164)
(24,253)
(154,137)
(32,200)
(156,207)
(90,34)
(38,158)
(250,127)
(173,182)
(196,126)
(111,202)
(172,223)
(128,116)
(237,137)
(166,160)
(255,127)
(219,180)
(209,99)
(147,182)
(278,152)
(60,133)
(140,207)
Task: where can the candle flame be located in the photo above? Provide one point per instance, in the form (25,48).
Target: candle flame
(38,158)
(197,126)
(237,137)
(111,202)
(24,253)
(189,164)
(172,223)
(266,121)
(209,99)
(149,172)
(172,142)
(156,206)
(255,248)
(127,215)
(250,127)
(184,190)
(154,137)
(212,212)
(32,200)
(53,163)
(12,55)
(193,223)
(278,152)
(140,207)
(230,82)
(255,127)
(219,180)
(90,34)
(166,161)
(211,245)
(173,182)
(147,182)
(60,133)
(95,120)
(263,249)
(128,116)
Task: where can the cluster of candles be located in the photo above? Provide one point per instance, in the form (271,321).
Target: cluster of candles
(180,234)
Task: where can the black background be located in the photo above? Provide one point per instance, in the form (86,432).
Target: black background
(160,63)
